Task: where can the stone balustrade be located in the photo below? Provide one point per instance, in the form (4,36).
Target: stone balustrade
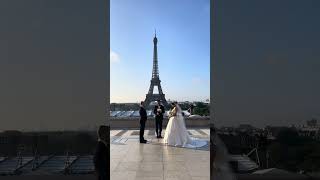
(133,122)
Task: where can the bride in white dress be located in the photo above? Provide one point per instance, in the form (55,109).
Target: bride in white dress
(176,133)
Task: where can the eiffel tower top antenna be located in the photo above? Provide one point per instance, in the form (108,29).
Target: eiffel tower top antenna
(155,67)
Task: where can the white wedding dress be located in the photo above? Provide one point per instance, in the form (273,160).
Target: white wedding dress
(176,133)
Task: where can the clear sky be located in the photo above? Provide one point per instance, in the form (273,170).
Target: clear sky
(52,65)
(183,32)
(266,62)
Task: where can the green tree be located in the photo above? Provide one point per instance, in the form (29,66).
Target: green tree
(201,109)
(293,152)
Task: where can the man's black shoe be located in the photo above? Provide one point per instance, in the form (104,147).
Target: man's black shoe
(160,137)
(143,141)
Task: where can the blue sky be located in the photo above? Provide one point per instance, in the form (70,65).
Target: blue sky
(266,62)
(183,31)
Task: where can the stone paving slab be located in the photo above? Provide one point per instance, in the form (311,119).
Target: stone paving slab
(155,160)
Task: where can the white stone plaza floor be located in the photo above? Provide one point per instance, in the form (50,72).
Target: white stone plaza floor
(131,160)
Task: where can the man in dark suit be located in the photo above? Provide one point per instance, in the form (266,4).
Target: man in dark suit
(100,159)
(143,119)
(158,111)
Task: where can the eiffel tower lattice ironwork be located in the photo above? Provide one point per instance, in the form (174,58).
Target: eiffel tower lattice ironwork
(155,80)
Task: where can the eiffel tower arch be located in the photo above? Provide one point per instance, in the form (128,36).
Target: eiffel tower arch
(155,80)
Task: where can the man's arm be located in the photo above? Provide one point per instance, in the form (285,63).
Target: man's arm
(140,112)
(145,113)
(162,108)
(155,110)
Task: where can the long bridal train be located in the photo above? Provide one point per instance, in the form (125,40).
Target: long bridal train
(176,133)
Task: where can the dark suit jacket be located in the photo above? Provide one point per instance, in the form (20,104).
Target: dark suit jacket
(143,113)
(100,159)
(155,111)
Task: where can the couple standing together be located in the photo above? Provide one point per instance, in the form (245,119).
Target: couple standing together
(176,133)
(158,111)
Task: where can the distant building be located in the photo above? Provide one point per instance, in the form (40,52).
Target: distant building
(273,131)
(124,106)
(312,129)
(312,123)
(246,128)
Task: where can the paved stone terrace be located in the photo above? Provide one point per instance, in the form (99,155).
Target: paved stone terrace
(131,160)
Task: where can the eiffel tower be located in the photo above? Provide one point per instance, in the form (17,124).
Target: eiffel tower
(155,80)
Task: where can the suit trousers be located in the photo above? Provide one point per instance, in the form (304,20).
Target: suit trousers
(142,127)
(158,125)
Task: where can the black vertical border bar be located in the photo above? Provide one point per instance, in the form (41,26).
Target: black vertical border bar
(107,75)
(212,95)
